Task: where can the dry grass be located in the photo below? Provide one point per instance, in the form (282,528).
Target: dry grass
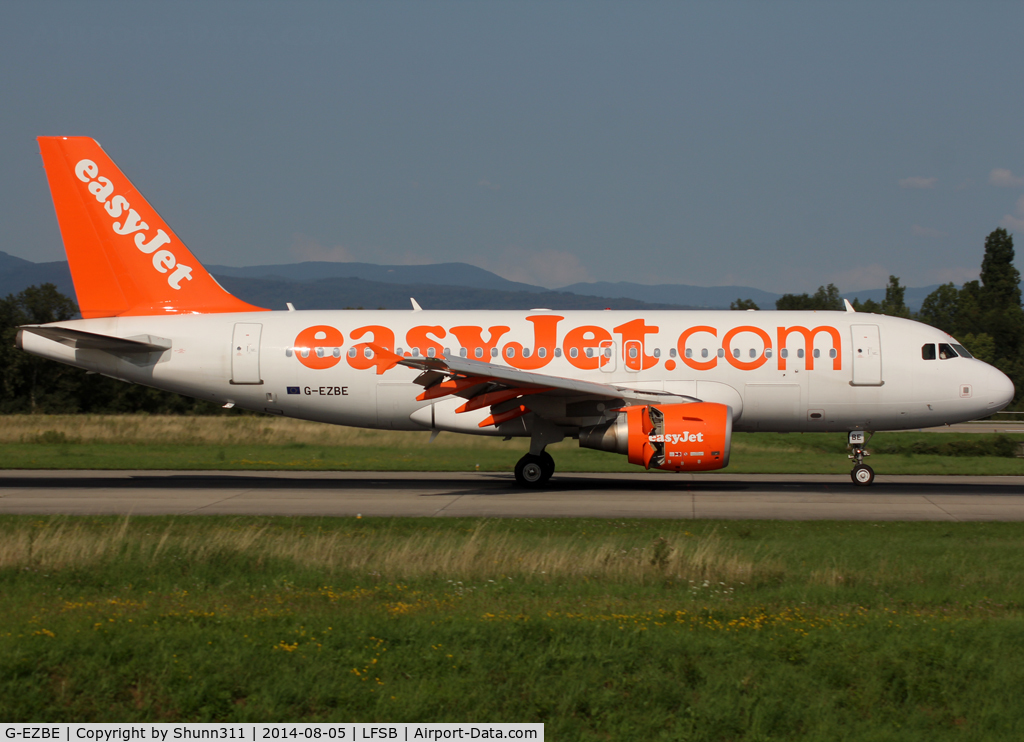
(483,553)
(178,430)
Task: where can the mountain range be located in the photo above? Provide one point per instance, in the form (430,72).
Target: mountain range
(326,285)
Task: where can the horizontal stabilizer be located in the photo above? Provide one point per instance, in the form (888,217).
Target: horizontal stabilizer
(93,341)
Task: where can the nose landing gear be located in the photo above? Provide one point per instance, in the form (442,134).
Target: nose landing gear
(862,474)
(535,470)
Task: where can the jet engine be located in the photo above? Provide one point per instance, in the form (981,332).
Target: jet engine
(678,437)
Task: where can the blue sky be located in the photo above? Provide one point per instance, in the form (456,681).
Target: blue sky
(776,145)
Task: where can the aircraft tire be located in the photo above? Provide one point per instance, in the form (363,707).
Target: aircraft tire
(548,464)
(862,475)
(531,471)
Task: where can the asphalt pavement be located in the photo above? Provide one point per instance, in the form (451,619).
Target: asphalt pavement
(447,494)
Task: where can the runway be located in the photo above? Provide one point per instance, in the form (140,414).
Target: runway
(447,494)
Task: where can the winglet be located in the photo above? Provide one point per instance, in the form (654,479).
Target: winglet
(415,305)
(849,306)
(125,260)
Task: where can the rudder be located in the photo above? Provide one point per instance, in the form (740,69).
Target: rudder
(125,260)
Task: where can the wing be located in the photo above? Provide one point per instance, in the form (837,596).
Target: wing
(512,393)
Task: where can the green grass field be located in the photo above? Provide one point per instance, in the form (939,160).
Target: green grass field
(613,629)
(252,443)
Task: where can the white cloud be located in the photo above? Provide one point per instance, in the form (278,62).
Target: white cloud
(1015,221)
(947,274)
(862,277)
(548,268)
(304,248)
(918,182)
(920,231)
(1004,178)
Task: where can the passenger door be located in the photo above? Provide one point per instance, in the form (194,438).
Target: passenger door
(245,353)
(867,355)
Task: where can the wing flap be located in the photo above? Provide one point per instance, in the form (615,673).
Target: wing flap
(503,389)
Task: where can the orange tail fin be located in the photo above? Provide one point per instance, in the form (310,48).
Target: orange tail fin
(125,260)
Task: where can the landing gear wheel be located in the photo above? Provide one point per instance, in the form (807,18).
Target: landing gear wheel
(532,471)
(547,464)
(862,475)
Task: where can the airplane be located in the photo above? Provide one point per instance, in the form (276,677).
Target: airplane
(667,389)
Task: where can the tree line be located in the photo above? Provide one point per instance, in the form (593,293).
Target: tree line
(35,385)
(984,315)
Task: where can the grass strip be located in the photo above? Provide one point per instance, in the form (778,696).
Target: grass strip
(624,629)
(301,457)
(267,443)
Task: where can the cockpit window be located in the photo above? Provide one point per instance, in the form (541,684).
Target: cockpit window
(928,352)
(946,351)
(961,351)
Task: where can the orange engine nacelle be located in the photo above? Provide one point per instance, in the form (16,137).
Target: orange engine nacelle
(677,437)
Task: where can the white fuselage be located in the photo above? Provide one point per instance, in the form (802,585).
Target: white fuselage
(778,371)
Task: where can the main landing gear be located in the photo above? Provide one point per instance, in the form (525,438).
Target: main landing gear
(535,470)
(862,474)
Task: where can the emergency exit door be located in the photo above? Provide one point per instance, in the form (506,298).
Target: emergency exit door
(867,355)
(245,354)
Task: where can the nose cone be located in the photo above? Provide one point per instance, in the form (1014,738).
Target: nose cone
(998,390)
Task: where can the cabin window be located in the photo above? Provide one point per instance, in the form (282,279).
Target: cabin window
(767,352)
(463,352)
(336,352)
(542,352)
(721,352)
(632,352)
(526,353)
(832,353)
(800,353)
(305,352)
(928,351)
(607,352)
(287,352)
(351,352)
(817,353)
(558,352)
(784,353)
(415,352)
(509,352)
(367,353)
(478,352)
(753,353)
(946,351)
(447,351)
(703,352)
(590,352)
(494,352)
(735,352)
(573,352)
(961,351)
(430,352)
(689,353)
(657,352)
(319,352)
